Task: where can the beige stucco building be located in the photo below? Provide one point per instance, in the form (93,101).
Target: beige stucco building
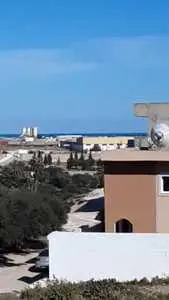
(136,191)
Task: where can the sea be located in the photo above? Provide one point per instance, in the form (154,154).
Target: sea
(92,134)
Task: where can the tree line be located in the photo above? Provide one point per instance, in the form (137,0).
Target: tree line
(41,158)
(79,162)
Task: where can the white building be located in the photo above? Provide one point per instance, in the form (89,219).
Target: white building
(23,131)
(28,131)
(29,139)
(104,143)
(31,132)
(34,132)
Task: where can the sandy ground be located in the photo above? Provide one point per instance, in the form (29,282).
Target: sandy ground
(85,213)
(15,274)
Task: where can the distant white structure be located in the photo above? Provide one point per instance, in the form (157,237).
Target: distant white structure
(29,132)
(24,131)
(35,132)
(22,151)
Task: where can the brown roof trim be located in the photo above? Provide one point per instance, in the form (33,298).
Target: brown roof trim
(135,155)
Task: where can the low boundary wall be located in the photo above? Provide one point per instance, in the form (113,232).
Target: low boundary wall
(75,256)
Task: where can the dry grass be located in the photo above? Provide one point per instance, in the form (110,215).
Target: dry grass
(9,296)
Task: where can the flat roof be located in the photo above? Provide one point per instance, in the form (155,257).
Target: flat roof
(135,155)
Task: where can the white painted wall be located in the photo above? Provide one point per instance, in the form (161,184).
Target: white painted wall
(75,256)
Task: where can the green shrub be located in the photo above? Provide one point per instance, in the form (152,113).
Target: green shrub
(97,290)
(37,197)
(38,213)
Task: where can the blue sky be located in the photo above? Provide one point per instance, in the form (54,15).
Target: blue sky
(73,66)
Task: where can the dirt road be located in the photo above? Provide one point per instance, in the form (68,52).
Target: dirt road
(85,213)
(15,273)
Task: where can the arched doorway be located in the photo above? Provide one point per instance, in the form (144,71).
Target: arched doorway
(124,225)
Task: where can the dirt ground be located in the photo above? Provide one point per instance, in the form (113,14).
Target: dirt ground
(16,274)
(85,213)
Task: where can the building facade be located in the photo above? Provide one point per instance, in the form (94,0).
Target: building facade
(136,191)
(105,143)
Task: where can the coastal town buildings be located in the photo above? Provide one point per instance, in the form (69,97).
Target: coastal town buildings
(104,143)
